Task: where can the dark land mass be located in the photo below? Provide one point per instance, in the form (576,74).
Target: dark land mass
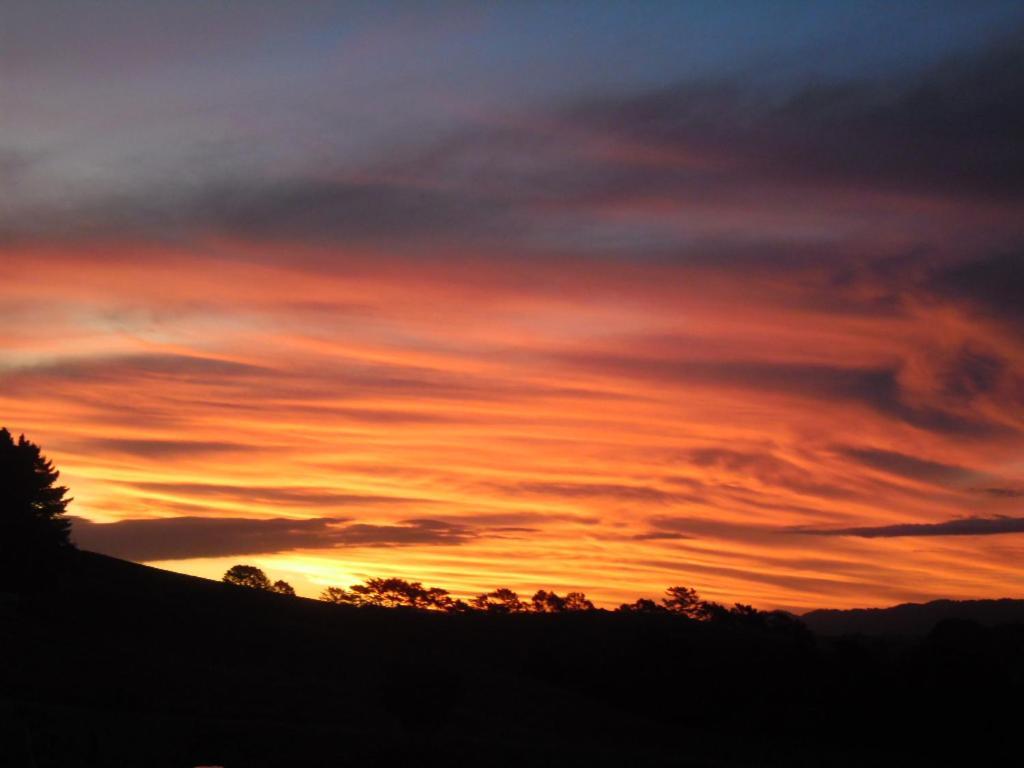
(118,664)
(913,618)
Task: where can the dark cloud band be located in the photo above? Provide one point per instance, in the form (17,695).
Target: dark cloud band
(967,526)
(189,537)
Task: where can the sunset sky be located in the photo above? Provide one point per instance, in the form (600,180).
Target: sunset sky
(572,295)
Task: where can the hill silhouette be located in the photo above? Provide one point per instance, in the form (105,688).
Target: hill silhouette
(913,618)
(119,664)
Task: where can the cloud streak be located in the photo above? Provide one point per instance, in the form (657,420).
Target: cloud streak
(966,526)
(911,467)
(289,496)
(176,538)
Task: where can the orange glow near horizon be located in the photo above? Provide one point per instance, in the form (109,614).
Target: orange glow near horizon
(588,426)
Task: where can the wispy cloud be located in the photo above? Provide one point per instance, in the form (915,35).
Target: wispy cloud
(911,467)
(290,496)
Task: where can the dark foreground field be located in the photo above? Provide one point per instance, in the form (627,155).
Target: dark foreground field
(123,665)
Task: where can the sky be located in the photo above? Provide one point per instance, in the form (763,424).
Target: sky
(577,296)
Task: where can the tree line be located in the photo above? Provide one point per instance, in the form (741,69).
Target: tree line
(400,593)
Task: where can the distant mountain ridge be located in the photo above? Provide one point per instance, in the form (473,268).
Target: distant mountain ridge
(913,618)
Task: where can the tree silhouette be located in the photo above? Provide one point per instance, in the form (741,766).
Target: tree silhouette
(247,576)
(393,593)
(458,605)
(686,602)
(746,615)
(501,600)
(339,596)
(546,602)
(577,601)
(390,593)
(439,598)
(282,587)
(399,593)
(33,528)
(642,605)
(550,602)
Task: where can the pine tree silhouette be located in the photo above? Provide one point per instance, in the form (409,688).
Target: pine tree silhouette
(33,528)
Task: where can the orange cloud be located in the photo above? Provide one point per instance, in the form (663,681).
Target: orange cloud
(610,430)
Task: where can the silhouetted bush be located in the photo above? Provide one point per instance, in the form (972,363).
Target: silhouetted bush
(282,588)
(254,578)
(247,576)
(501,600)
(642,605)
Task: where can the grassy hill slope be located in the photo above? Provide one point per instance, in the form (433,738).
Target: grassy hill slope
(123,665)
